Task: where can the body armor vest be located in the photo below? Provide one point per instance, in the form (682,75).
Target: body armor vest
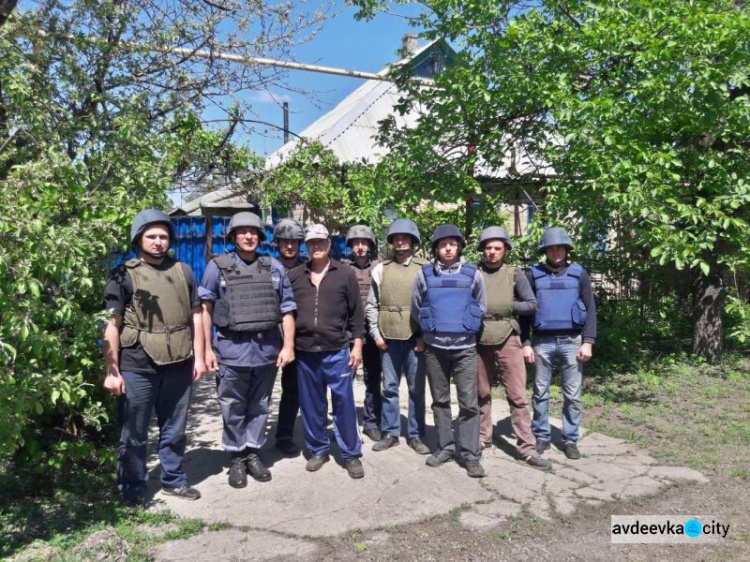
(449,306)
(250,303)
(560,304)
(364,278)
(499,323)
(159,314)
(394,316)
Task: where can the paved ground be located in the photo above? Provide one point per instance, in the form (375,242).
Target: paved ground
(297,507)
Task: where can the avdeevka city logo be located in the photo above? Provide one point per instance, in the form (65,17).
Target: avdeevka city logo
(693,528)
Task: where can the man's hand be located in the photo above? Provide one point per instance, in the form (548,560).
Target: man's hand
(286,356)
(419,345)
(115,383)
(585,353)
(355,356)
(212,365)
(199,369)
(528,353)
(380,342)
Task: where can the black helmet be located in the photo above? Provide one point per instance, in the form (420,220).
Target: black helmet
(361,231)
(288,229)
(555,237)
(403,226)
(494,233)
(247,220)
(147,218)
(447,231)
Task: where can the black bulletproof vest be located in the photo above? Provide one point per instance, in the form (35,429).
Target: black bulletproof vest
(250,303)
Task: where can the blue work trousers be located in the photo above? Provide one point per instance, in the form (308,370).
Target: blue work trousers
(399,358)
(169,394)
(244,394)
(317,371)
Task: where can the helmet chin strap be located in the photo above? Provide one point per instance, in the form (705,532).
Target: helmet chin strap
(155,255)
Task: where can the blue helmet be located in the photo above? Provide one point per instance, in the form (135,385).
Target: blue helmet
(555,237)
(447,231)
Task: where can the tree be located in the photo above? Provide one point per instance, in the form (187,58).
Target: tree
(641,109)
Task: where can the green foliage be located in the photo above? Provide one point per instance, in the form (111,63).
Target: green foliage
(738,322)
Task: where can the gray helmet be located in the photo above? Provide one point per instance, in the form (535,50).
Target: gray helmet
(494,233)
(288,229)
(147,218)
(247,220)
(447,231)
(555,237)
(361,231)
(403,226)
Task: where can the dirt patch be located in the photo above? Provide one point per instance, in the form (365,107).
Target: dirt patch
(102,546)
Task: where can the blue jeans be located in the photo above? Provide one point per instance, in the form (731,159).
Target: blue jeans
(315,372)
(400,357)
(169,393)
(548,350)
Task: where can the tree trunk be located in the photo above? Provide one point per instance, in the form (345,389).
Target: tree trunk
(709,295)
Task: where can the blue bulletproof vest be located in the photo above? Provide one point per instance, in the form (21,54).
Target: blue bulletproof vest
(560,304)
(449,306)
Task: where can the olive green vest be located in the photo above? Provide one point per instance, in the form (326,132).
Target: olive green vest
(159,314)
(394,320)
(498,323)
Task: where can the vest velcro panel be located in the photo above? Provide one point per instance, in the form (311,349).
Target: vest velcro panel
(449,306)
(250,303)
(560,304)
(394,308)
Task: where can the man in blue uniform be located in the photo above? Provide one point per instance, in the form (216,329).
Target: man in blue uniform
(247,296)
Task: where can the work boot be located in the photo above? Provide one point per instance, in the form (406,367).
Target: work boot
(185,492)
(315,463)
(374,434)
(441,457)
(419,447)
(237,473)
(535,459)
(355,469)
(287,447)
(541,446)
(572,452)
(474,469)
(385,443)
(256,468)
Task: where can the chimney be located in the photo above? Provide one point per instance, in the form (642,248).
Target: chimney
(410,43)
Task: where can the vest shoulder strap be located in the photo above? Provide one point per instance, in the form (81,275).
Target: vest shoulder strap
(265,262)
(132,263)
(469,270)
(575,269)
(224,261)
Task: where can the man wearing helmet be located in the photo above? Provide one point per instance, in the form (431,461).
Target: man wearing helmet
(394,333)
(499,348)
(564,330)
(449,301)
(288,236)
(361,240)
(154,350)
(246,296)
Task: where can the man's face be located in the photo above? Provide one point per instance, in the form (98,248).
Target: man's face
(556,255)
(360,247)
(155,239)
(448,249)
(494,253)
(288,249)
(402,243)
(318,248)
(246,239)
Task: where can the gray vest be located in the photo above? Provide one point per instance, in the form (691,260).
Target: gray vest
(250,303)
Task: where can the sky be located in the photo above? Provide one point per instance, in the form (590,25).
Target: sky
(342,43)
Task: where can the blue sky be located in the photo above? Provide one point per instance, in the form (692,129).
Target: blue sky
(342,43)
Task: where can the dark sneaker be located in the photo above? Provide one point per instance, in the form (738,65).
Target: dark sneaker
(374,434)
(535,459)
(485,445)
(571,451)
(257,469)
(315,463)
(541,446)
(385,443)
(287,447)
(474,469)
(355,469)
(441,457)
(185,492)
(419,447)
(237,473)
(135,502)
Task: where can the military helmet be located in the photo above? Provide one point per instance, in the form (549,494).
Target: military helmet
(447,231)
(288,229)
(403,226)
(147,218)
(555,237)
(247,220)
(494,233)
(361,231)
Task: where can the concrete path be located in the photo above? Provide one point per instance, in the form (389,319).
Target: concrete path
(398,488)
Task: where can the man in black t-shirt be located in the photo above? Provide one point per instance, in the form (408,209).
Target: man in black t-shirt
(153,350)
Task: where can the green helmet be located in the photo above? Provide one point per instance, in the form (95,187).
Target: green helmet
(361,231)
(288,229)
(447,231)
(494,233)
(145,219)
(246,219)
(403,226)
